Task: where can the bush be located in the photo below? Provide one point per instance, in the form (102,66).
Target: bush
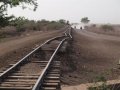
(29,25)
(8,31)
(54,25)
(86,27)
(2,35)
(39,25)
(94,25)
(103,85)
(20,29)
(107,27)
(20,24)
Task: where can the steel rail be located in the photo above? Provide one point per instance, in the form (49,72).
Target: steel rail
(67,34)
(41,77)
(70,32)
(66,31)
(5,73)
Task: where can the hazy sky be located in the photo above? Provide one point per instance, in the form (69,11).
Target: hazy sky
(98,11)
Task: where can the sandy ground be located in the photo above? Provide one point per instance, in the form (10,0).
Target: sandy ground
(92,56)
(13,49)
(99,30)
(88,85)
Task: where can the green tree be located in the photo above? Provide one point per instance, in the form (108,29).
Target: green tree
(62,21)
(4,4)
(5,20)
(14,3)
(19,23)
(85,20)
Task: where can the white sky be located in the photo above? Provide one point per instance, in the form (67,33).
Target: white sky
(98,11)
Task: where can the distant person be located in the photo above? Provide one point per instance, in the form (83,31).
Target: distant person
(81,28)
(75,27)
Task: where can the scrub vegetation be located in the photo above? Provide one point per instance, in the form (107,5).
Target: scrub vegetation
(20,25)
(107,27)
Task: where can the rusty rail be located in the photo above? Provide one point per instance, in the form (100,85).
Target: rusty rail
(40,80)
(67,35)
(5,73)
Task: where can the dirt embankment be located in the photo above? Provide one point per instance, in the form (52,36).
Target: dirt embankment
(12,50)
(90,56)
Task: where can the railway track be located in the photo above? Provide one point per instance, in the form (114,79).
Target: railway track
(39,70)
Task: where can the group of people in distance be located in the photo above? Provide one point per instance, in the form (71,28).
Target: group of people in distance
(80,28)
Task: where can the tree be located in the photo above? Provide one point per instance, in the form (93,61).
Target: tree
(14,3)
(62,21)
(4,18)
(68,23)
(85,20)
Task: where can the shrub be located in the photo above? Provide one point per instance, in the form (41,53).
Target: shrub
(103,85)
(94,25)
(107,27)
(2,35)
(29,25)
(54,25)
(18,23)
(22,24)
(8,31)
(20,29)
(62,21)
(86,27)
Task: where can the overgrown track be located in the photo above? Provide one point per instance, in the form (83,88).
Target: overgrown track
(39,70)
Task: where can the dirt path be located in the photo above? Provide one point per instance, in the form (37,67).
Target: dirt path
(93,56)
(97,36)
(13,50)
(103,50)
(87,85)
(11,45)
